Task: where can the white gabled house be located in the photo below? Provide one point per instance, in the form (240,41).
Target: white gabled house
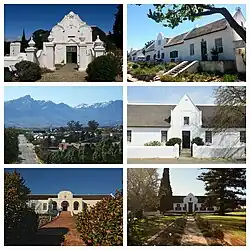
(198,43)
(161,122)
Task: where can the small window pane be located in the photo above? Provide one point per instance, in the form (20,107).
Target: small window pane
(164,135)
(129,133)
(191,49)
(208,136)
(218,45)
(186,120)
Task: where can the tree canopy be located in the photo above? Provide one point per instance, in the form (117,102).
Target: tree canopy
(224,186)
(171,15)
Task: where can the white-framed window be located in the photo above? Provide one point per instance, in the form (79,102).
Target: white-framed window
(129,135)
(158,54)
(45,206)
(164,136)
(191,49)
(208,136)
(162,55)
(243,136)
(174,54)
(218,45)
(186,120)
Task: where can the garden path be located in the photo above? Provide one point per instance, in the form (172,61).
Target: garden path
(61,231)
(192,235)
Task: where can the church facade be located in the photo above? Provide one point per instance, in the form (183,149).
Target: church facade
(63,201)
(70,41)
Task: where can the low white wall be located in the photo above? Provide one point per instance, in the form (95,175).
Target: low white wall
(154,213)
(238,152)
(218,66)
(12,60)
(135,152)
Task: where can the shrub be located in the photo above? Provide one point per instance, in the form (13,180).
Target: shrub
(144,74)
(153,143)
(8,75)
(27,71)
(102,224)
(173,141)
(135,66)
(104,69)
(229,78)
(198,141)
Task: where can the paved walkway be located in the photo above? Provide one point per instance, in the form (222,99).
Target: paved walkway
(67,73)
(192,235)
(61,231)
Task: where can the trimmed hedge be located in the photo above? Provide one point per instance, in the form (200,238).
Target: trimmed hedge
(102,224)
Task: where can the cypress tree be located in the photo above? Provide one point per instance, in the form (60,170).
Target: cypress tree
(24,42)
(165,192)
(224,187)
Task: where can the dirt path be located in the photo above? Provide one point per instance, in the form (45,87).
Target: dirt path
(61,231)
(192,235)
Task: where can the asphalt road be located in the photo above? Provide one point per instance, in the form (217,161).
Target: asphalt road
(28,155)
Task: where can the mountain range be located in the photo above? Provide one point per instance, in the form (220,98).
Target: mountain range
(25,112)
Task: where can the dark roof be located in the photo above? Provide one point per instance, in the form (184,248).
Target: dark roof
(83,196)
(200,31)
(159,115)
(149,115)
(179,199)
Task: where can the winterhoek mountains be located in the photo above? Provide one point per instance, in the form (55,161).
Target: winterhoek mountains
(25,112)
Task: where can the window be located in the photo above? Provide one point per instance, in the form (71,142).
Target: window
(154,56)
(186,120)
(76,205)
(208,136)
(54,205)
(195,207)
(129,133)
(44,206)
(164,135)
(178,207)
(191,49)
(174,54)
(185,207)
(158,54)
(162,55)
(33,205)
(190,199)
(243,136)
(218,45)
(148,58)
(159,42)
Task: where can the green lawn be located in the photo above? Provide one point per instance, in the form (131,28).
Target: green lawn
(145,228)
(233,225)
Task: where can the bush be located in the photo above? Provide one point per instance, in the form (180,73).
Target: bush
(173,141)
(102,224)
(229,78)
(144,74)
(104,69)
(153,143)
(198,141)
(8,75)
(27,71)
(135,66)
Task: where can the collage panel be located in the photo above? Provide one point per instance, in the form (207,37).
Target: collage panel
(73,209)
(63,125)
(63,43)
(186,125)
(186,206)
(186,43)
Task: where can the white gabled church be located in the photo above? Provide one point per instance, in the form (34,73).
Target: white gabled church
(161,122)
(63,201)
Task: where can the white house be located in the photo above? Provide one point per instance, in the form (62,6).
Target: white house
(64,201)
(136,55)
(197,44)
(70,41)
(161,122)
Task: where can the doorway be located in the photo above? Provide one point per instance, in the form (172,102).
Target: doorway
(65,206)
(185,139)
(190,207)
(203,50)
(71,54)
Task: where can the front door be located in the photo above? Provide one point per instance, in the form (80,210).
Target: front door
(65,205)
(71,54)
(203,50)
(190,207)
(185,139)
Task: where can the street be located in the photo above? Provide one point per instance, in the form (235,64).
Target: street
(28,155)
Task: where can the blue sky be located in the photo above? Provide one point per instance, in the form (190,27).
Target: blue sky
(76,180)
(170,95)
(69,95)
(184,181)
(45,16)
(142,29)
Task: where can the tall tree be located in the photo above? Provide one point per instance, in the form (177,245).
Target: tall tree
(40,36)
(224,186)
(93,126)
(231,107)
(24,42)
(143,186)
(165,192)
(11,149)
(117,35)
(171,15)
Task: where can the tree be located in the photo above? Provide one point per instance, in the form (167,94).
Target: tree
(231,108)
(171,15)
(93,126)
(40,36)
(143,186)
(11,150)
(224,186)
(20,222)
(24,42)
(165,192)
